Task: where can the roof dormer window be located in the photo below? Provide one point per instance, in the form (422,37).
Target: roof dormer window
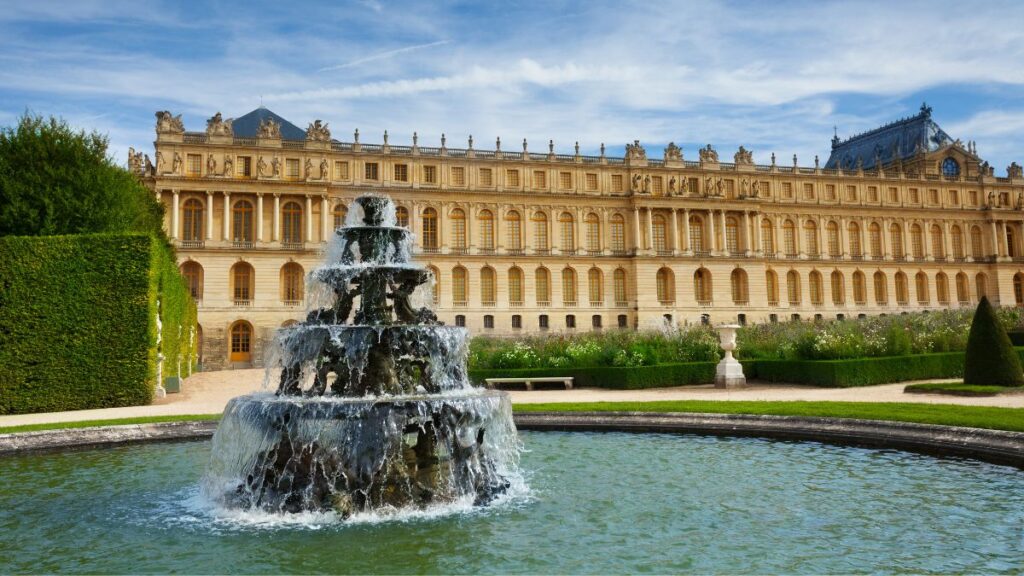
(950,167)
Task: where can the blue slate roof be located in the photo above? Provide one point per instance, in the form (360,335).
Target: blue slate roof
(246,126)
(900,139)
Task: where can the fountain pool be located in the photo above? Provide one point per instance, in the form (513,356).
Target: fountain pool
(597,502)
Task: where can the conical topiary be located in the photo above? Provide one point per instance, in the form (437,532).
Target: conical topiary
(990,358)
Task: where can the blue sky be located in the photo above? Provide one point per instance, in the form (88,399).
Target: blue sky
(772,76)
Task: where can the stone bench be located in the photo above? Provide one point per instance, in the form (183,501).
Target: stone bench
(529,382)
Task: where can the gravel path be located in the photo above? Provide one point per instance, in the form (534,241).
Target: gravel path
(209,392)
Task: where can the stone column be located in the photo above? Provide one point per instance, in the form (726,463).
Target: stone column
(528,230)
(780,242)
(175,233)
(798,236)
(227,216)
(686,231)
(259,217)
(995,240)
(906,238)
(746,233)
(442,225)
(274,235)
(886,233)
(325,222)
(650,228)
(947,242)
(844,239)
(674,230)
(577,231)
(637,245)
(926,240)
(309,218)
(1004,244)
(711,233)
(470,219)
(721,231)
(209,215)
(758,239)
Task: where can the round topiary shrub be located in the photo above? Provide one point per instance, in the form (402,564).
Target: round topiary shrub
(990,357)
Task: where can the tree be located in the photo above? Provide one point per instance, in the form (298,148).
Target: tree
(990,359)
(54,180)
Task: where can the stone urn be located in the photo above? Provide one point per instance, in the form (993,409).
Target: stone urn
(729,373)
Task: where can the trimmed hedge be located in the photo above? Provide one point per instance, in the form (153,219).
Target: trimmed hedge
(77,321)
(990,358)
(619,378)
(858,372)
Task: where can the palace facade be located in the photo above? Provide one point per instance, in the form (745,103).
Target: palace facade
(901,218)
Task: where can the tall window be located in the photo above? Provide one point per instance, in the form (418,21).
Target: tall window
(1018,289)
(902,291)
(619,279)
(702,286)
(486,230)
(193,274)
(291,223)
(875,232)
(793,287)
(833,239)
(896,239)
(593,224)
(458,229)
(767,237)
(192,225)
(515,286)
(811,237)
(696,234)
(814,285)
(938,242)
(595,286)
(789,237)
(738,280)
(567,226)
(963,295)
(977,247)
(860,289)
(855,245)
(430,229)
(242,286)
(542,283)
(981,285)
(540,231)
(241,341)
(339,213)
(771,280)
(435,284)
(921,284)
(916,241)
(402,216)
(241,216)
(732,235)
(460,291)
(292,283)
(658,229)
(881,293)
(487,288)
(958,241)
(514,230)
(666,286)
(838,285)
(942,288)
(618,231)
(569,286)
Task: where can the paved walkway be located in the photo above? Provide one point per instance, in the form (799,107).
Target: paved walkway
(209,392)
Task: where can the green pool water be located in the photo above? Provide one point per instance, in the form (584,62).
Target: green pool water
(596,503)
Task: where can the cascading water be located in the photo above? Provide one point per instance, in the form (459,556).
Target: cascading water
(377,414)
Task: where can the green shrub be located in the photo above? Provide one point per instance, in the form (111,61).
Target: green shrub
(77,321)
(990,356)
(857,372)
(953,389)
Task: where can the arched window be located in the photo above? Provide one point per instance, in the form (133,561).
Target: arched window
(515,286)
(241,342)
(460,289)
(697,234)
(916,241)
(659,239)
(875,233)
(402,216)
(542,282)
(514,230)
(853,229)
(292,284)
(242,283)
(569,286)
(435,284)
(619,279)
(593,233)
(1018,289)
(881,289)
(340,212)
(772,287)
(832,230)
(192,224)
(486,230)
(860,289)
(921,285)
(732,235)
(793,287)
(963,295)
(702,286)
(458,229)
(430,237)
(241,219)
(977,245)
(902,290)
(738,280)
(540,232)
(665,281)
(838,284)
(291,223)
(814,285)
(950,168)
(811,237)
(942,288)
(567,224)
(767,237)
(938,242)
(193,274)
(618,230)
(789,238)
(488,294)
(957,237)
(595,286)
(981,285)
(896,239)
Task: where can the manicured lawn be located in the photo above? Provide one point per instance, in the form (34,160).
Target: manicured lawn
(943,414)
(113,422)
(958,389)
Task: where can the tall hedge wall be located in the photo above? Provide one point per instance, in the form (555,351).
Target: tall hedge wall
(77,321)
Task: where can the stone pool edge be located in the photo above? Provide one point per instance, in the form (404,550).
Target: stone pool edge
(989,445)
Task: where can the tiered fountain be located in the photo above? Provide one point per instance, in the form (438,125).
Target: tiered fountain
(368,415)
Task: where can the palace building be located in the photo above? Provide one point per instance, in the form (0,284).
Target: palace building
(900,218)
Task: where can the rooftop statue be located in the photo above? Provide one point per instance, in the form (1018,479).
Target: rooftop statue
(744,157)
(635,151)
(269,129)
(708,154)
(318,132)
(218,126)
(673,153)
(166,123)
